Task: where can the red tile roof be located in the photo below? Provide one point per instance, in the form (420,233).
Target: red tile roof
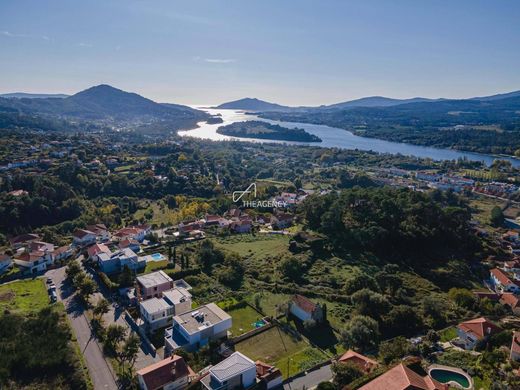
(97,248)
(363,362)
(510,299)
(166,371)
(304,303)
(403,378)
(501,276)
(80,233)
(479,327)
(24,238)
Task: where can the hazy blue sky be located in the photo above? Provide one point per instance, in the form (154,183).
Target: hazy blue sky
(291,52)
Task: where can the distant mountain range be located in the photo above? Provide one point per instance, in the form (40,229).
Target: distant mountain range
(103,102)
(23,95)
(253,104)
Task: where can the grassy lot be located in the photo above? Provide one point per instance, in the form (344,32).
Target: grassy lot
(448,334)
(274,346)
(255,247)
(155,265)
(243,320)
(269,302)
(25,296)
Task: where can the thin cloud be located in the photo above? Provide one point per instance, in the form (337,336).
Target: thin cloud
(83,44)
(15,35)
(219,60)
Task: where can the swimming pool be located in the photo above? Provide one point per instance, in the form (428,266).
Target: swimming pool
(157,257)
(451,376)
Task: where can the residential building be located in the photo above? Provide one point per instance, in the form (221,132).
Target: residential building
(305,309)
(364,363)
(196,328)
(473,331)
(281,220)
(101,232)
(45,247)
(512,301)
(31,262)
(241,226)
(117,261)
(94,250)
(62,253)
(235,372)
(131,233)
(269,376)
(6,263)
(158,313)
(130,243)
(403,378)
(171,373)
(153,284)
(83,237)
(515,347)
(503,282)
(23,239)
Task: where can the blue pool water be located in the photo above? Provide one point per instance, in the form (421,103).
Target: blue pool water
(157,257)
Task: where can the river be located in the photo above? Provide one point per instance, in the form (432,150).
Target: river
(333,137)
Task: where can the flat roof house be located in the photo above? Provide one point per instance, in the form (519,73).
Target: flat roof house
(195,328)
(235,372)
(154,284)
(171,373)
(116,262)
(158,312)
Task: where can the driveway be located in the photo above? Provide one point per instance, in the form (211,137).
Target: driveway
(311,379)
(99,369)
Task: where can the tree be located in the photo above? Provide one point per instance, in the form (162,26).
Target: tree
(359,282)
(101,307)
(370,303)
(126,279)
(463,298)
(73,269)
(326,386)
(86,289)
(130,349)
(394,349)
(291,268)
(402,319)
(497,216)
(114,335)
(361,332)
(345,373)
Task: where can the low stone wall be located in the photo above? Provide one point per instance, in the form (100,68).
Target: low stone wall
(136,328)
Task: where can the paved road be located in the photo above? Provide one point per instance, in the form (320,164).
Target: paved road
(311,380)
(99,369)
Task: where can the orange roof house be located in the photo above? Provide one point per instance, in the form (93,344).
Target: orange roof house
(403,378)
(364,363)
(479,327)
(172,370)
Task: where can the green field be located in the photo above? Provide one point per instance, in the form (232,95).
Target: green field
(276,347)
(25,296)
(243,320)
(255,247)
(448,334)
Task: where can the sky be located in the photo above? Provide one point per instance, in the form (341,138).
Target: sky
(294,52)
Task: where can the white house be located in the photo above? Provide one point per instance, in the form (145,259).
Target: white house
(503,282)
(45,247)
(101,232)
(158,312)
(305,309)
(62,253)
(171,373)
(117,261)
(471,332)
(235,372)
(31,262)
(83,237)
(195,328)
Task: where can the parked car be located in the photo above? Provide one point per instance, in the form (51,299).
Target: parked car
(49,280)
(53,295)
(52,287)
